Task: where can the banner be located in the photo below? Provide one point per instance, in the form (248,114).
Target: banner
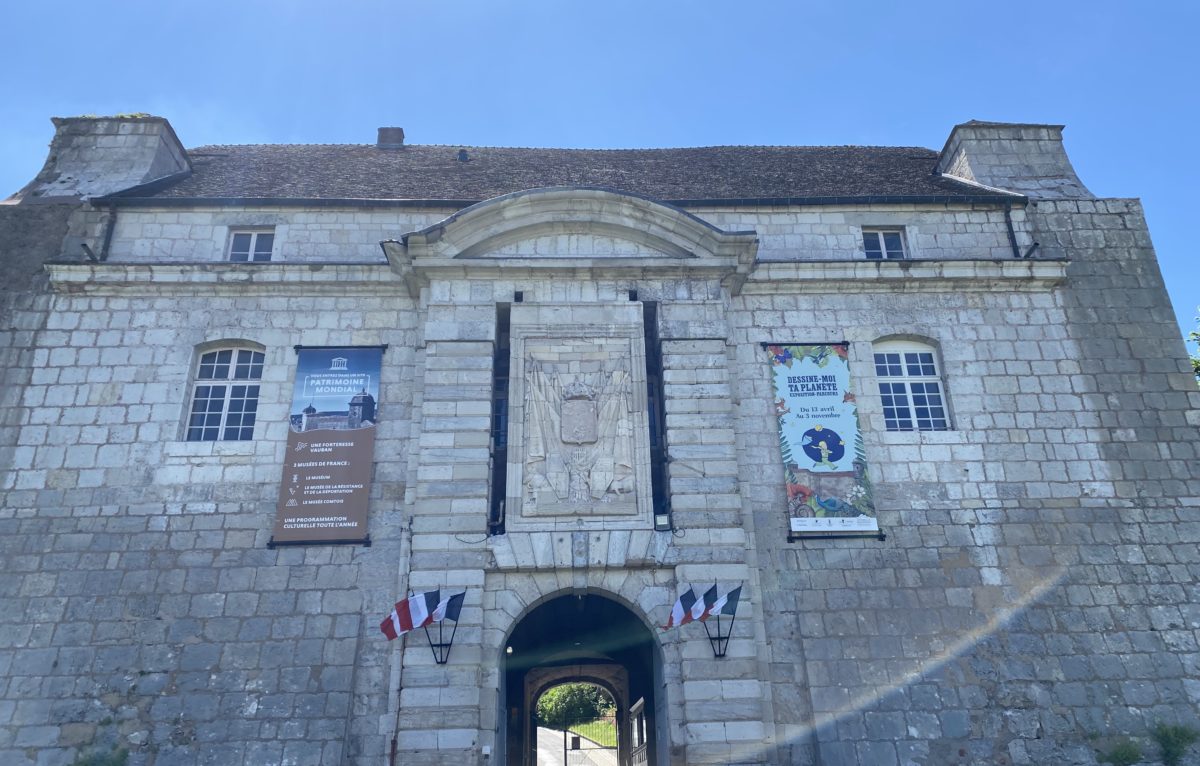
(824,464)
(331,447)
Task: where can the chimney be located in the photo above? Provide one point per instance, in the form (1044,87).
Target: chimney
(390,138)
(96,156)
(1027,159)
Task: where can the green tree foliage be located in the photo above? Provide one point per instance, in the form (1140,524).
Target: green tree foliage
(572,703)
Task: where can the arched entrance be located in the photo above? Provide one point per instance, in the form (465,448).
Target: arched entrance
(592,638)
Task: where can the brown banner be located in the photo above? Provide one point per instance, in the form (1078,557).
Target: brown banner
(326,483)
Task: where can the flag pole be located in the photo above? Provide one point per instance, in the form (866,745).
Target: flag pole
(432,646)
(729,635)
(441,649)
(720,641)
(453,631)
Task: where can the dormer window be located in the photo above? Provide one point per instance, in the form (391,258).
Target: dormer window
(883,244)
(251,246)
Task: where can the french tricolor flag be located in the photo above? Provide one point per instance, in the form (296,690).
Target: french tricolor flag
(726,604)
(692,608)
(681,612)
(703,606)
(450,607)
(416,611)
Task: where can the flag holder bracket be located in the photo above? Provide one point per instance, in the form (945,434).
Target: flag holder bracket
(441,647)
(719,631)
(719,634)
(795,537)
(273,543)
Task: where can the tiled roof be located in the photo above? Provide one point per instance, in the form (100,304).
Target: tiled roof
(417,172)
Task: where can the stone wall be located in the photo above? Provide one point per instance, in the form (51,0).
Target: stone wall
(1033,597)
(29,236)
(824,233)
(795,233)
(319,236)
(143,608)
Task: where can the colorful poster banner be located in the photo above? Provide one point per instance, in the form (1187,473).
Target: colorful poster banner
(331,447)
(823,459)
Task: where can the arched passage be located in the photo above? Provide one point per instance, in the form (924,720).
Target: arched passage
(585,637)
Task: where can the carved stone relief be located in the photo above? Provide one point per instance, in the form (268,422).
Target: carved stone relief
(578,420)
(578,431)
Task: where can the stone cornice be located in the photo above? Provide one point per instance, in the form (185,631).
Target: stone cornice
(578,268)
(905,275)
(223,278)
(385,279)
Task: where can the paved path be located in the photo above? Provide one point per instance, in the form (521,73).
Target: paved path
(550,751)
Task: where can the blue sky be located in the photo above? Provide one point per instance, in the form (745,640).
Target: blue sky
(1121,77)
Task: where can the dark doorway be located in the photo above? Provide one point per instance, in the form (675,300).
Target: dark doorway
(593,639)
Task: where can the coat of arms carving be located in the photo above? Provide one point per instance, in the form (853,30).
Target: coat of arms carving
(579,438)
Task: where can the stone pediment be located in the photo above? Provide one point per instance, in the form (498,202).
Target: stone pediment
(572,229)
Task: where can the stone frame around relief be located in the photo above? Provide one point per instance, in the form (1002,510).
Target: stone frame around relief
(612,337)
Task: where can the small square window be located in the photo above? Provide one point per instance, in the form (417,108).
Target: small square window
(251,246)
(883,244)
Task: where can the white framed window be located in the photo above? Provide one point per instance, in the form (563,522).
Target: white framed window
(249,246)
(224,403)
(910,386)
(884,244)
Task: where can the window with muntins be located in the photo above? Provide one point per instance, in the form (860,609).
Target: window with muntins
(251,246)
(225,395)
(883,244)
(910,387)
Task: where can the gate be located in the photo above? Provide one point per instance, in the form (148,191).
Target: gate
(581,743)
(639,750)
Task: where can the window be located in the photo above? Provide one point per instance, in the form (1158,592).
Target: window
(225,395)
(500,370)
(247,246)
(910,387)
(883,243)
(656,415)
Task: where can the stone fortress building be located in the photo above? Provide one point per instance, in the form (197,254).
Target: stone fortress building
(577,422)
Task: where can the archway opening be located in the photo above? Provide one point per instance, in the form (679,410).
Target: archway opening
(590,641)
